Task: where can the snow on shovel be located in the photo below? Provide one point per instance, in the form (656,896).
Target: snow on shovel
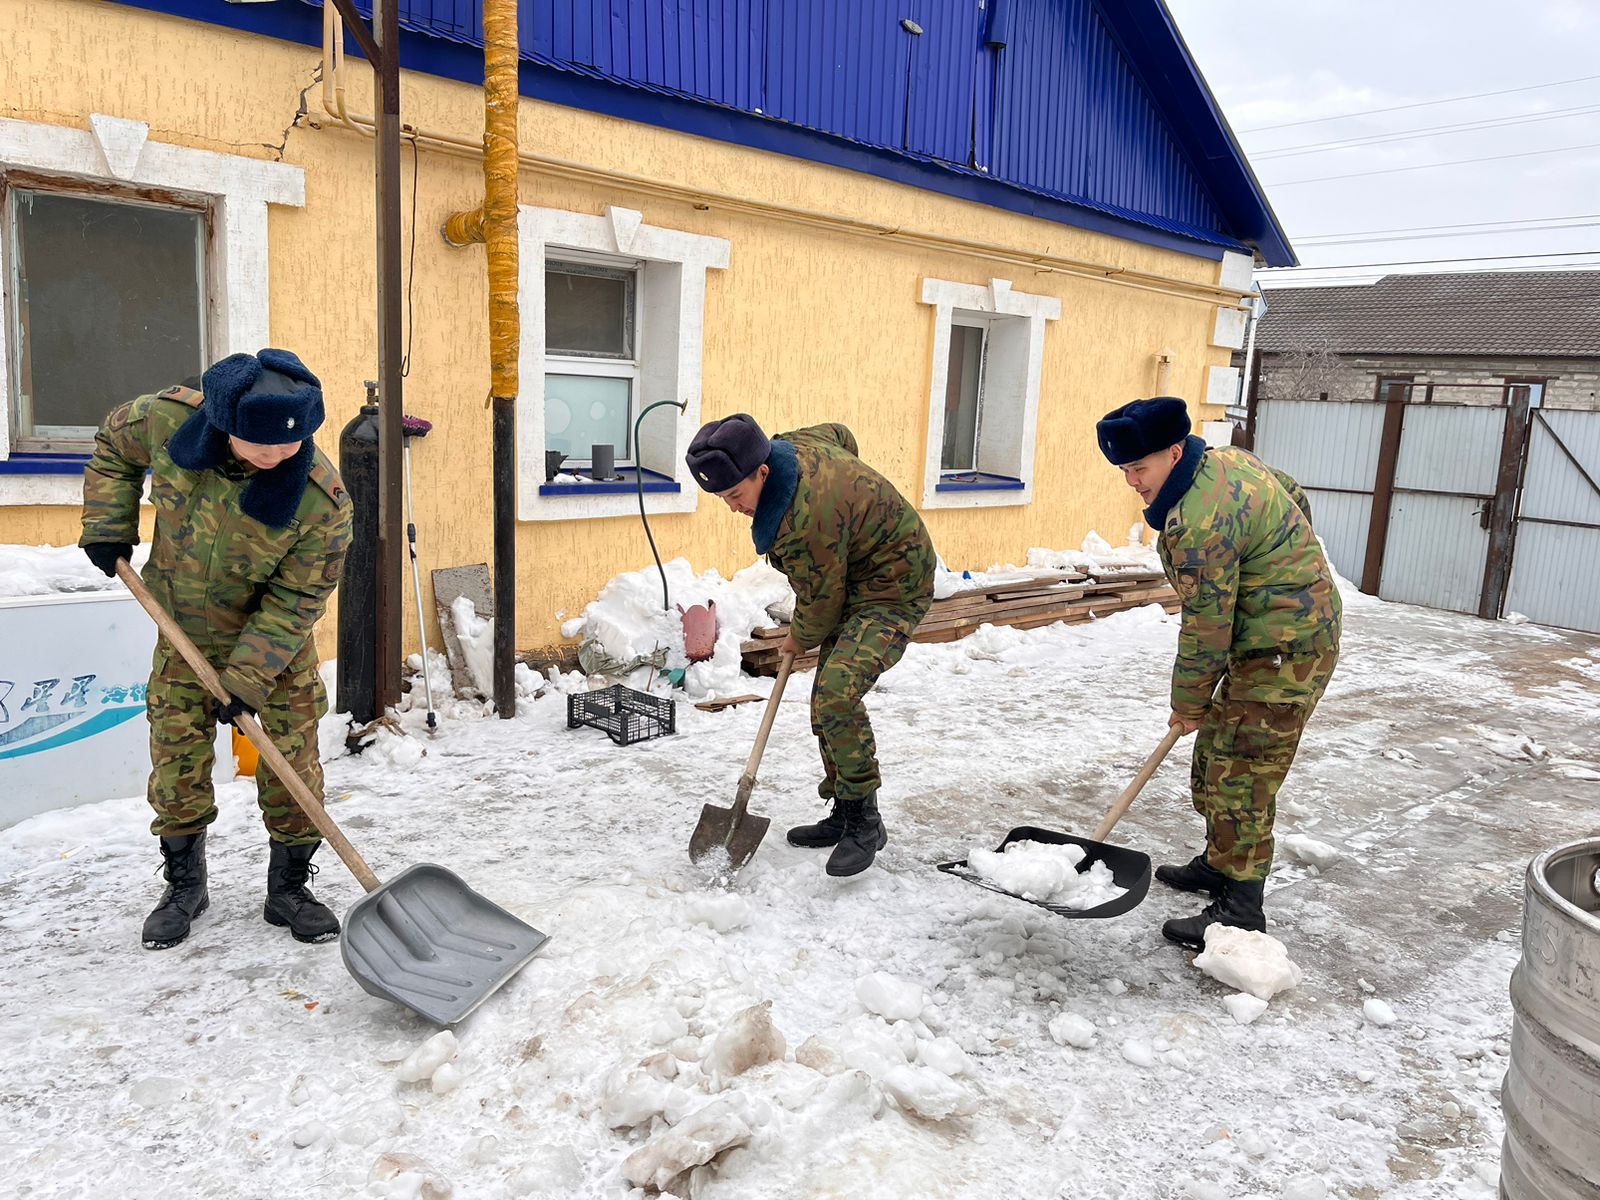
(1130,870)
(424,940)
(732,834)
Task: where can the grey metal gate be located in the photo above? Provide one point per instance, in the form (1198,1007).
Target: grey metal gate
(1445,477)
(1555,566)
(1331,448)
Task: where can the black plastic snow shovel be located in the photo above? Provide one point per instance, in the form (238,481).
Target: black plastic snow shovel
(733,832)
(1130,870)
(424,940)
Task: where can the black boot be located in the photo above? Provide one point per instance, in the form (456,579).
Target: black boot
(1239,906)
(288,901)
(1196,875)
(860,840)
(825,832)
(186,898)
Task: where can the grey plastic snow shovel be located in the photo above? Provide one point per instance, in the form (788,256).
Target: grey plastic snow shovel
(424,940)
(733,831)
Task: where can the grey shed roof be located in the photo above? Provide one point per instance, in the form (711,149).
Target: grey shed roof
(1522,313)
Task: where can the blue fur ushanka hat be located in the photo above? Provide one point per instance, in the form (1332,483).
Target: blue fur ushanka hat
(1129,433)
(271,399)
(268,398)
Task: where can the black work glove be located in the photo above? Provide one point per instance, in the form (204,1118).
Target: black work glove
(226,713)
(105,554)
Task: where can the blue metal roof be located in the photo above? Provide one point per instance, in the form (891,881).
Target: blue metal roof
(1087,112)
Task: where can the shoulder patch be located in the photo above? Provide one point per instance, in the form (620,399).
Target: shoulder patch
(183,395)
(326,476)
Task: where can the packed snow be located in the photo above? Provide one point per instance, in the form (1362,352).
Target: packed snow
(1252,962)
(900,1034)
(52,570)
(1046,872)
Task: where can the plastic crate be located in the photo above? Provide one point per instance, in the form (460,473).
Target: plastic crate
(624,714)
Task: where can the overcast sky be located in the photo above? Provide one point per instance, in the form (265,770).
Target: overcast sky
(1276,61)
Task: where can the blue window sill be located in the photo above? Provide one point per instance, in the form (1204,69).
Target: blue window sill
(627,485)
(44,464)
(977,481)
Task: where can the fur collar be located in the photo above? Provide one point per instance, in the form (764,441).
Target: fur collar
(776,494)
(1179,482)
(271,497)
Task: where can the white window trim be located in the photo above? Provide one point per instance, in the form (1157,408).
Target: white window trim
(669,364)
(114,150)
(950,301)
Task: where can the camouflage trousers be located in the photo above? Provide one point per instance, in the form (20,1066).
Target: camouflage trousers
(1244,749)
(867,642)
(182,730)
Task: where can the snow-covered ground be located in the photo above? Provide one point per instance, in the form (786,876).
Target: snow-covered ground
(902,1034)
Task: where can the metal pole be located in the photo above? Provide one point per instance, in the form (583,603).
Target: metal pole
(391,439)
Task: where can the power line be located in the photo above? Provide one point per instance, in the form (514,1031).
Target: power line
(1378,139)
(1460,225)
(1532,87)
(1420,237)
(1404,262)
(1374,274)
(1454,162)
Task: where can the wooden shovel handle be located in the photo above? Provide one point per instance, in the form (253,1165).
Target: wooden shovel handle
(1127,798)
(250,727)
(747,781)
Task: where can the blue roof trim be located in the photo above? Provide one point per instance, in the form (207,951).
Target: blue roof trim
(447,51)
(1155,45)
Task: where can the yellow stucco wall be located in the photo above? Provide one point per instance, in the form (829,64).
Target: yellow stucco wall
(803,326)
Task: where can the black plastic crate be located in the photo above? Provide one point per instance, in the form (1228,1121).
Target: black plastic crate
(626,715)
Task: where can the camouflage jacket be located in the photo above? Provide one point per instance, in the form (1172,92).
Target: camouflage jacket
(848,539)
(1239,550)
(248,595)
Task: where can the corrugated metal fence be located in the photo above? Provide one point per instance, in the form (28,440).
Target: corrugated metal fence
(1481,508)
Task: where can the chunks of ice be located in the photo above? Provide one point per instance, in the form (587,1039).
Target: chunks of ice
(1045,872)
(1247,960)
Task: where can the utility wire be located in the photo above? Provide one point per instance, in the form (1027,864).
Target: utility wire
(1421,237)
(1454,162)
(1532,87)
(1383,139)
(1461,225)
(1403,262)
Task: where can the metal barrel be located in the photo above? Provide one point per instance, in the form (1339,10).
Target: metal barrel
(1551,1095)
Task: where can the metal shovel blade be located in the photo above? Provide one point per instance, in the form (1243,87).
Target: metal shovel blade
(429,942)
(726,831)
(1130,870)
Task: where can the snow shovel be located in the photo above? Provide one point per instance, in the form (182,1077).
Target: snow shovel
(733,831)
(1130,870)
(424,940)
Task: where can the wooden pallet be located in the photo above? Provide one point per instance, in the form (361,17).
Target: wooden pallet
(1071,599)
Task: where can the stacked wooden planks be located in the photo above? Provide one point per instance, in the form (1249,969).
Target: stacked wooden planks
(1027,603)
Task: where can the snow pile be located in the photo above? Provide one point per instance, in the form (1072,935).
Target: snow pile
(1046,872)
(628,622)
(47,570)
(433,1062)
(1310,851)
(891,998)
(476,637)
(1248,961)
(1069,1029)
(1377,1012)
(1097,557)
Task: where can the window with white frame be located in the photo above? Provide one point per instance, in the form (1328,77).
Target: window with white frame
(129,263)
(109,303)
(984,402)
(591,374)
(613,323)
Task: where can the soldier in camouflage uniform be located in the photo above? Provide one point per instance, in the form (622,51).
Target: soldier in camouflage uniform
(1258,644)
(861,564)
(251,526)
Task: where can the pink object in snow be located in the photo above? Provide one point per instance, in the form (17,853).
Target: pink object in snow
(699,631)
